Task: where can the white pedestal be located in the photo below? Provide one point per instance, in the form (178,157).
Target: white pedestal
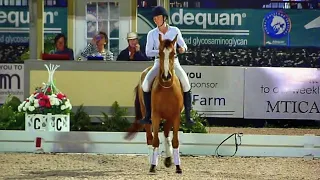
(49,122)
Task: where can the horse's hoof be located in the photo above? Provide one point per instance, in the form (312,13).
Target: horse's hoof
(178,169)
(167,162)
(152,169)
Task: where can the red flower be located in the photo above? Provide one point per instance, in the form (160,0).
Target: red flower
(60,96)
(45,97)
(42,102)
(40,95)
(48,105)
(49,89)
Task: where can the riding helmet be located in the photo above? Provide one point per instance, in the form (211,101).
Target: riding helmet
(159,10)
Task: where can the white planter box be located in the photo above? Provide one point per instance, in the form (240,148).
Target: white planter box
(49,122)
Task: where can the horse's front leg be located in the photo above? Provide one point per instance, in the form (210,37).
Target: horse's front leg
(155,142)
(175,144)
(167,143)
(149,137)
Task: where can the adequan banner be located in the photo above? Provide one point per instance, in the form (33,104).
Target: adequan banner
(217,91)
(11,81)
(282,93)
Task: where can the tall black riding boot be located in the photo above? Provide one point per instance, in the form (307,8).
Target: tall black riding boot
(147,104)
(187,107)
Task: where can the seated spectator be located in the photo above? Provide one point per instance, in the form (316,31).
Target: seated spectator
(97,47)
(60,43)
(133,51)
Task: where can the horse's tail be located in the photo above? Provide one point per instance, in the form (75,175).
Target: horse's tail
(136,126)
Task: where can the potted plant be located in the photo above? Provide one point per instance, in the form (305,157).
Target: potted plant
(47,108)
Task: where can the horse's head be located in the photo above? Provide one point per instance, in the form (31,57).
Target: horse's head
(166,55)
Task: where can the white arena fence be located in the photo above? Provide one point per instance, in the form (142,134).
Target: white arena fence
(190,144)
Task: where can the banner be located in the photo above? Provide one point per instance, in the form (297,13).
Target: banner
(282,93)
(11,81)
(217,91)
(240,27)
(14,23)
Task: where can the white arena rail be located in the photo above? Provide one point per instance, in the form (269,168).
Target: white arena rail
(190,143)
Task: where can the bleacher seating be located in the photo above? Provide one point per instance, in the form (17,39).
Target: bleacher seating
(252,56)
(10,53)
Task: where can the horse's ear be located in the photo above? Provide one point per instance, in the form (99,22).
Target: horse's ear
(175,39)
(160,38)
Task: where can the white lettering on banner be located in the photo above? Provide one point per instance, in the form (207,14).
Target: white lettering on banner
(217,91)
(11,81)
(21,17)
(205,19)
(282,93)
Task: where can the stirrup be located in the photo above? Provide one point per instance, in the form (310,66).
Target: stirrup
(145,121)
(190,121)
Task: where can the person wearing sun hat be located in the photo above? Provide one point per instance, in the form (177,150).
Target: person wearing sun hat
(132,52)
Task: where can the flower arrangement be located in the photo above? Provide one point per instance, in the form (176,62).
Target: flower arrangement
(47,99)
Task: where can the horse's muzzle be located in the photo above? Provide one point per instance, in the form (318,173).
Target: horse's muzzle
(166,78)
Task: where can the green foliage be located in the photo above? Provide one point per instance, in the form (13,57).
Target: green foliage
(48,46)
(113,121)
(49,43)
(198,127)
(80,120)
(10,118)
(116,121)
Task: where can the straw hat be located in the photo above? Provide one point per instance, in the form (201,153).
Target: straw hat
(132,35)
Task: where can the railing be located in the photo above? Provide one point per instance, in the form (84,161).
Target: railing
(47,3)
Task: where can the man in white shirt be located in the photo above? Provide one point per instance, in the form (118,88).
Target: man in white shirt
(160,16)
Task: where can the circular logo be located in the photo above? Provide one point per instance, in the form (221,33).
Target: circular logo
(277,24)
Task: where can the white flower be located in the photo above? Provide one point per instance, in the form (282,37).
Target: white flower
(31,108)
(27,104)
(63,107)
(52,100)
(23,103)
(36,103)
(24,108)
(53,95)
(20,107)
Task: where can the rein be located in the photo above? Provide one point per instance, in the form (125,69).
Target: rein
(237,144)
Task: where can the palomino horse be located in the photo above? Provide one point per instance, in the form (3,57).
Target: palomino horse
(167,103)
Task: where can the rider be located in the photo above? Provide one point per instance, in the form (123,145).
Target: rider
(160,16)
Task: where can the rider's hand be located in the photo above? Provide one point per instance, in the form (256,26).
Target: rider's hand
(94,39)
(181,50)
(137,47)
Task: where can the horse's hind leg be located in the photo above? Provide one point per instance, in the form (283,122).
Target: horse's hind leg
(167,143)
(175,144)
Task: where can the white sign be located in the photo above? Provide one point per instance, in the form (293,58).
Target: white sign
(59,123)
(11,81)
(282,93)
(36,122)
(217,91)
(49,122)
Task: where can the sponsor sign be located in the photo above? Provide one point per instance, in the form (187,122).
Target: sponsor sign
(217,91)
(14,23)
(240,27)
(282,93)
(11,81)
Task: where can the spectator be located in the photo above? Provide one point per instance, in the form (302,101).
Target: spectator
(97,47)
(133,51)
(60,43)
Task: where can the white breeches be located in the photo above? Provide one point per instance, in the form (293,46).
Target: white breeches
(151,75)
